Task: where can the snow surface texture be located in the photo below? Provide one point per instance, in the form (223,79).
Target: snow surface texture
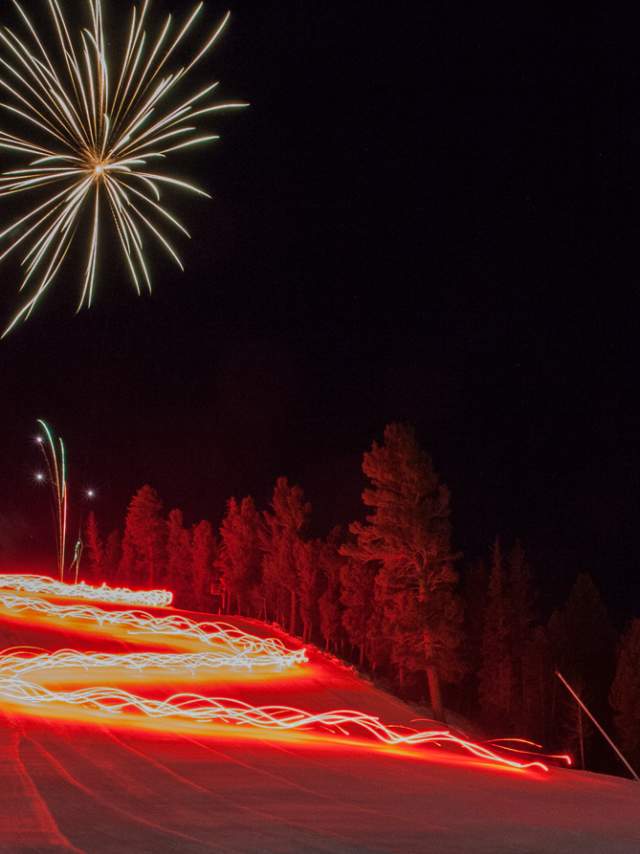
(99,787)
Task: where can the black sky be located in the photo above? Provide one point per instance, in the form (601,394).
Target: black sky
(428,214)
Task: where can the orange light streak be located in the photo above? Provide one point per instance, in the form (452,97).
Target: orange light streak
(234,650)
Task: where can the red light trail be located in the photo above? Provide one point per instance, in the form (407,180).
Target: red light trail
(233,650)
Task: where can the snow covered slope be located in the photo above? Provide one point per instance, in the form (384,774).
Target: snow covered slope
(94,785)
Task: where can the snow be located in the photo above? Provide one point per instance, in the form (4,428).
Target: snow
(94,786)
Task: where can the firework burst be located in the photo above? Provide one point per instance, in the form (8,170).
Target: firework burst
(93,138)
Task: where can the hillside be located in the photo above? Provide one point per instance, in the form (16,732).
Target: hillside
(82,781)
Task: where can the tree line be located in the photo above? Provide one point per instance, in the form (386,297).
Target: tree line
(392,596)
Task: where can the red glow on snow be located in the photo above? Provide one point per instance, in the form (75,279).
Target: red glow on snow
(80,686)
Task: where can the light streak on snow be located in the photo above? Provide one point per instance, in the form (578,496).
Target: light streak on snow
(233,649)
(42,584)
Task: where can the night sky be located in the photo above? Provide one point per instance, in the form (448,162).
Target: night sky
(428,214)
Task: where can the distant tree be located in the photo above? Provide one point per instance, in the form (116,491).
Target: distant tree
(582,643)
(330,563)
(285,523)
(357,596)
(95,550)
(179,571)
(143,545)
(409,535)
(522,602)
(625,692)
(112,557)
(239,556)
(538,686)
(203,557)
(475,582)
(495,679)
(307,556)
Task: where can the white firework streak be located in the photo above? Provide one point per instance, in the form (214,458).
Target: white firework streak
(90,141)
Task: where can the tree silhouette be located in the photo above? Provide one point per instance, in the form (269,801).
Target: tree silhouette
(143,545)
(357,596)
(625,692)
(95,549)
(284,526)
(179,571)
(496,672)
(203,557)
(408,534)
(582,646)
(239,556)
(112,557)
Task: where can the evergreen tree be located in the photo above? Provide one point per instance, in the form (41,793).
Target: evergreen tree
(625,692)
(284,526)
(522,602)
(95,550)
(474,594)
(112,557)
(143,545)
(358,582)
(203,557)
(538,686)
(308,563)
(179,568)
(330,564)
(495,679)
(582,646)
(408,535)
(239,556)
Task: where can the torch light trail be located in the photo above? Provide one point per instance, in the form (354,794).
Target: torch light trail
(90,135)
(235,649)
(42,584)
(56,460)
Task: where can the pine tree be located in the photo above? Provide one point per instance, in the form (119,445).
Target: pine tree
(203,557)
(625,692)
(95,550)
(112,557)
(285,524)
(143,545)
(239,556)
(495,679)
(538,685)
(330,564)
(179,577)
(582,646)
(307,555)
(474,594)
(522,602)
(408,535)
(358,582)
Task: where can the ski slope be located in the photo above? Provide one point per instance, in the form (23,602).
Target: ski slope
(77,780)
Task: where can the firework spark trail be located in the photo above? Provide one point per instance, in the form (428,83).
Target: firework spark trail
(56,460)
(42,584)
(90,141)
(242,652)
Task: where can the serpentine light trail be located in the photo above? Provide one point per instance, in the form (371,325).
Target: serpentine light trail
(90,136)
(42,584)
(227,647)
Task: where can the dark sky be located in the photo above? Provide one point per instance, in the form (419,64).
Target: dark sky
(428,214)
